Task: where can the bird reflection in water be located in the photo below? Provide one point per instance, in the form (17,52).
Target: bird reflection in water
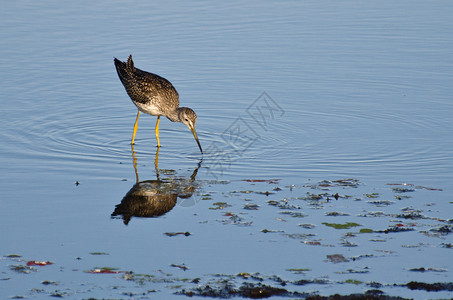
(154,198)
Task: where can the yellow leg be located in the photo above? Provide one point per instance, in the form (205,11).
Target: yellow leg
(156,163)
(134,161)
(157,131)
(135,128)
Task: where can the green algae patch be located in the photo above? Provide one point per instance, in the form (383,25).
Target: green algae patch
(372,195)
(341,226)
(353,281)
(219,205)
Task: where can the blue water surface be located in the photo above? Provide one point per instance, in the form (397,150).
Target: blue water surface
(296,92)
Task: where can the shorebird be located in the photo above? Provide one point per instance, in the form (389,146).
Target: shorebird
(154,95)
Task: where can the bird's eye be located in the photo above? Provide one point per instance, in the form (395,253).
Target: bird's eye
(187,120)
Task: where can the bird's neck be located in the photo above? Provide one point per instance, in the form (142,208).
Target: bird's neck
(174,115)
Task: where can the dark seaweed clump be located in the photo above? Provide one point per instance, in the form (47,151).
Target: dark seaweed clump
(260,291)
(396,229)
(246,290)
(430,287)
(368,295)
(446,229)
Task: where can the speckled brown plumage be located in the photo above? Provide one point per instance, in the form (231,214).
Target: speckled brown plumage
(146,199)
(154,95)
(147,88)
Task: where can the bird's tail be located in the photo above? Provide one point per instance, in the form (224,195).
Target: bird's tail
(124,69)
(130,64)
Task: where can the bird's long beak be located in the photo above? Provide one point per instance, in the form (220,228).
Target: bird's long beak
(196,138)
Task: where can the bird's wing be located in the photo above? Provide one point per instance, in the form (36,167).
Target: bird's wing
(144,87)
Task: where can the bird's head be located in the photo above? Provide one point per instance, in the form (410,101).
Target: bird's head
(189,118)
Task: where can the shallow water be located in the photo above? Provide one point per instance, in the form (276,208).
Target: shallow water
(287,96)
